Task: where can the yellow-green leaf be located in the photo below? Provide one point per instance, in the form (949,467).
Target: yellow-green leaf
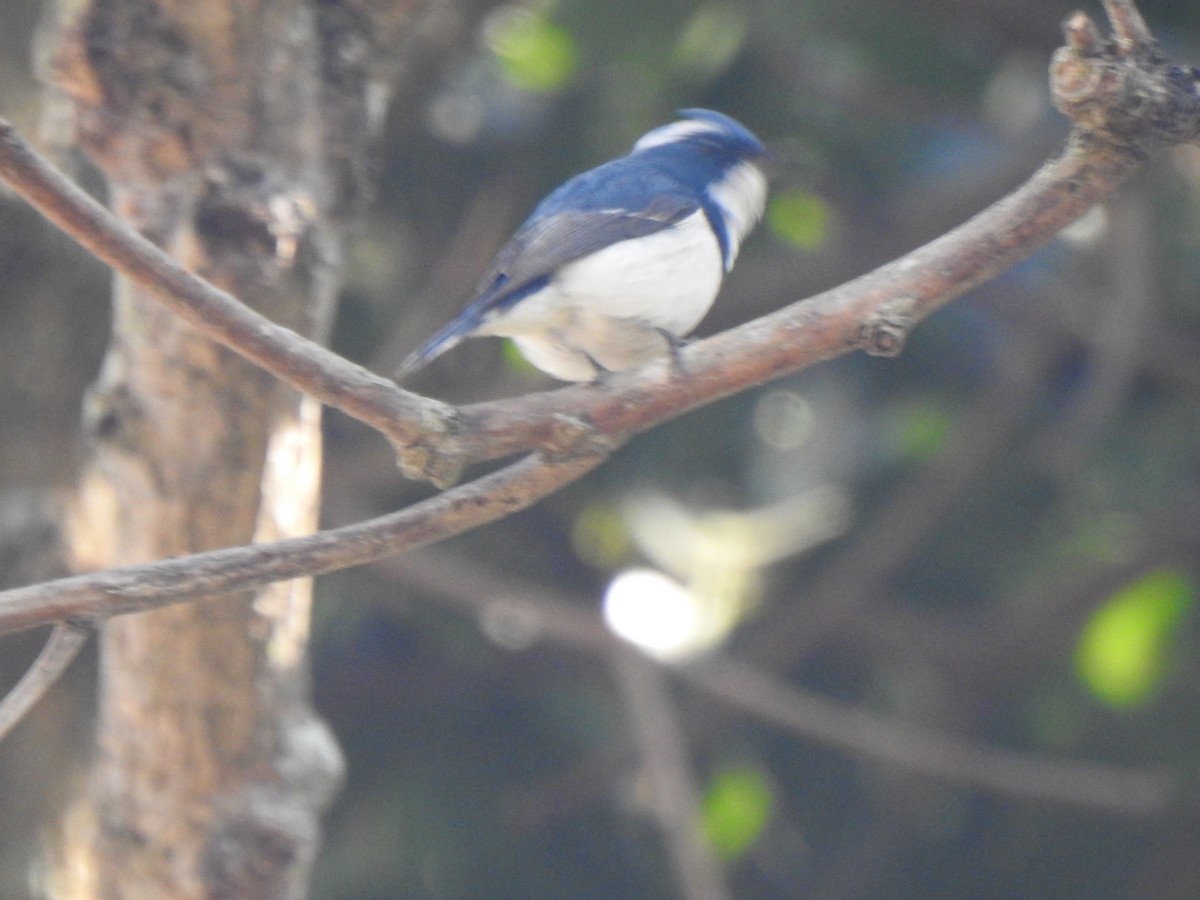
(711,39)
(735,810)
(798,217)
(1125,645)
(600,538)
(920,429)
(535,54)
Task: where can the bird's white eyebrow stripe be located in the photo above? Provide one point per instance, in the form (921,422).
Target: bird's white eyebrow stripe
(668,134)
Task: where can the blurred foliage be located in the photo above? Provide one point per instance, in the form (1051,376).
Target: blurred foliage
(600,537)
(799,218)
(1126,645)
(918,430)
(1001,538)
(536,55)
(735,809)
(710,40)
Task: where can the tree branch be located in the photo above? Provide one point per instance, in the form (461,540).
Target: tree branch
(1124,100)
(217,314)
(130,589)
(874,312)
(953,759)
(673,796)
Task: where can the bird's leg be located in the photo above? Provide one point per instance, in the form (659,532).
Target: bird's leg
(675,345)
(600,373)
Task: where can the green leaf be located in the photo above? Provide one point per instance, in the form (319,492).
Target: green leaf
(535,54)
(600,538)
(710,41)
(798,217)
(735,810)
(920,429)
(1123,650)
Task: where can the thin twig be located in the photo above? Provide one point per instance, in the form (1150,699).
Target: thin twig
(1128,26)
(749,689)
(673,798)
(916,749)
(60,650)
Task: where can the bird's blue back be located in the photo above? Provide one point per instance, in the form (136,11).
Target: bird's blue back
(675,175)
(655,187)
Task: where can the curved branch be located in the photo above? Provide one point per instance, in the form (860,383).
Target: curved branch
(1128,25)
(874,312)
(916,749)
(150,585)
(304,364)
(1123,100)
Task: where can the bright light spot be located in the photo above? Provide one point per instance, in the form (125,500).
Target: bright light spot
(688,545)
(717,559)
(657,614)
(783,419)
(1087,229)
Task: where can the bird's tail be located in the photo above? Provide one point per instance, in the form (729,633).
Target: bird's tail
(433,348)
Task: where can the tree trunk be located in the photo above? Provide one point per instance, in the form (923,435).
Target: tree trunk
(230,132)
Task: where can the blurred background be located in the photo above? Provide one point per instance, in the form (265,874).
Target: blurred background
(906,628)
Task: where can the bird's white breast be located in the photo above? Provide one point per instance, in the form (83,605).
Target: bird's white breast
(609,307)
(667,279)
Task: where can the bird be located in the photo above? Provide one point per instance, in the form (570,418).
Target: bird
(618,264)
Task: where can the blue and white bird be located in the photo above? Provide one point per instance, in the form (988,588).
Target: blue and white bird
(615,266)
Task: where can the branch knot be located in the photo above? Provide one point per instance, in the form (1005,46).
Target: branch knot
(426,459)
(884,333)
(1123,91)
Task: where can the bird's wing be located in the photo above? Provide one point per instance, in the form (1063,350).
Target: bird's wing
(546,243)
(586,214)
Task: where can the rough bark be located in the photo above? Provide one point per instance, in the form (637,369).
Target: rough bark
(231,134)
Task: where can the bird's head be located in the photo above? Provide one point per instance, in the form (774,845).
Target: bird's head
(705,132)
(719,159)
